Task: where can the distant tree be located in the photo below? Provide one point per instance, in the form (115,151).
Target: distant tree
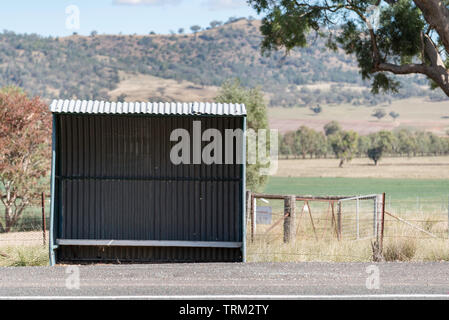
(25,135)
(363,144)
(94,33)
(386,140)
(382,142)
(375,154)
(331,128)
(195,28)
(181,30)
(321,145)
(286,143)
(435,146)
(379,113)
(344,145)
(122,97)
(215,23)
(394,115)
(305,141)
(231,20)
(406,142)
(316,109)
(232,91)
(423,143)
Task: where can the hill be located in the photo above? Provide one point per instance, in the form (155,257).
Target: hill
(138,67)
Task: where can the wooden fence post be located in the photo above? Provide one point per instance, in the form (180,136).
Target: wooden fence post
(377,246)
(382,226)
(44,224)
(253,216)
(290,217)
(339,220)
(248,212)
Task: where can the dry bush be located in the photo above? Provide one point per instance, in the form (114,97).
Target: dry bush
(400,250)
(24,256)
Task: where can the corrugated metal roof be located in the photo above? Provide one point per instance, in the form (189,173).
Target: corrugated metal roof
(159,108)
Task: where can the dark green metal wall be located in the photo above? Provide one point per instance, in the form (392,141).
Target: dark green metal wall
(114,181)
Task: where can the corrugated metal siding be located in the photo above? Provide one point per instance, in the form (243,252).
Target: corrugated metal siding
(73,254)
(167,108)
(115,181)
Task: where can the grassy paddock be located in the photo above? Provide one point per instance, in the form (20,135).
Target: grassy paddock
(21,256)
(394,167)
(401,243)
(302,250)
(423,203)
(405,190)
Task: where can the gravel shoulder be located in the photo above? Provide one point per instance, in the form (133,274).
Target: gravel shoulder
(259,280)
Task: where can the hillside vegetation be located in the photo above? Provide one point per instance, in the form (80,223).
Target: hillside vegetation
(95,67)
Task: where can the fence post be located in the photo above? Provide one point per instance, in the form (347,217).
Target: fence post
(382,226)
(377,246)
(248,210)
(44,224)
(339,220)
(357,219)
(375,215)
(253,216)
(290,217)
(248,206)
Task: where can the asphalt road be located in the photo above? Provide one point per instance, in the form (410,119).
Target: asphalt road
(229,281)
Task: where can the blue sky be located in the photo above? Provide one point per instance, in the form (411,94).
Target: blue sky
(59,17)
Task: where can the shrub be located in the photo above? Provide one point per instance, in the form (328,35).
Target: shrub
(401,250)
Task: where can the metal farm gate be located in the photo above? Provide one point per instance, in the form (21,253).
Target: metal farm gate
(117,196)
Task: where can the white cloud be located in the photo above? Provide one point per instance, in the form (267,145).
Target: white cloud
(225,4)
(210,4)
(148,2)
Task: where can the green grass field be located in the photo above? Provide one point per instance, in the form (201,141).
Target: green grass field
(395,189)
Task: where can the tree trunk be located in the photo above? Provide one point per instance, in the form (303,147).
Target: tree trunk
(437,15)
(8,216)
(342,161)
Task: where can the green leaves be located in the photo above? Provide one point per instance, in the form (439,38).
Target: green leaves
(232,92)
(285,28)
(401,26)
(384,83)
(395,39)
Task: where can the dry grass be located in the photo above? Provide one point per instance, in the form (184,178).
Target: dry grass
(415,113)
(309,250)
(401,242)
(403,168)
(146,87)
(20,249)
(28,256)
(302,250)
(400,250)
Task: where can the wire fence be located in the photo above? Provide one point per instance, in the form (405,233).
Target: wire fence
(418,225)
(328,229)
(32,228)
